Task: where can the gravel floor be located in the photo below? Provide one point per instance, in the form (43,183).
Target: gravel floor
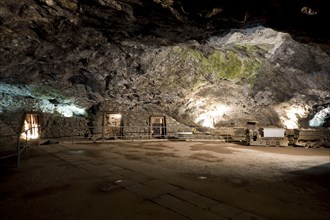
(272,182)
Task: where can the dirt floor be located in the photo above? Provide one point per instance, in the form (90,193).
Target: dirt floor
(57,182)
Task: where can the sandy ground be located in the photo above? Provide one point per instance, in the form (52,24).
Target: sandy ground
(270,182)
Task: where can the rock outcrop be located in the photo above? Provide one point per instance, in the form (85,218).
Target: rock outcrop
(203,65)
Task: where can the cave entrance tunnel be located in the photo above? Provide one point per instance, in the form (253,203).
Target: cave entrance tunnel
(157,126)
(112,125)
(31,126)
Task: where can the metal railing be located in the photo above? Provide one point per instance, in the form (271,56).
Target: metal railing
(140,132)
(21,145)
(8,136)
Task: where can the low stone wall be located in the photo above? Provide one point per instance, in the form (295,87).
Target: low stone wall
(10,126)
(7,137)
(52,126)
(135,123)
(56,126)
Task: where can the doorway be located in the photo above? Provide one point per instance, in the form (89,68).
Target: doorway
(112,125)
(157,126)
(31,126)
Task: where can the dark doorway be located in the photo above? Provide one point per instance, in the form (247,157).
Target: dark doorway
(157,126)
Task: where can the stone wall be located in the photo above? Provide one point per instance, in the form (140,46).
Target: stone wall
(10,127)
(135,121)
(54,126)
(136,124)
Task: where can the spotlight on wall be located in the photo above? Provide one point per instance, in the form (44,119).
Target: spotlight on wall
(292,116)
(212,115)
(70,110)
(320,117)
(308,11)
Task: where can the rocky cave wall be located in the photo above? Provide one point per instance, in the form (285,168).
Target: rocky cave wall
(60,57)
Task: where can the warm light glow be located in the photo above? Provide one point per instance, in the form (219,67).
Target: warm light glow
(212,115)
(116,116)
(308,11)
(113,120)
(292,116)
(31,130)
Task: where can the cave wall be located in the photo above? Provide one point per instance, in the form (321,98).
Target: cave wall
(65,57)
(56,126)
(250,74)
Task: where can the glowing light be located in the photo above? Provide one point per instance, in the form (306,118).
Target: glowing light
(211,117)
(308,11)
(70,110)
(116,116)
(67,110)
(31,130)
(319,118)
(293,113)
(206,120)
(113,119)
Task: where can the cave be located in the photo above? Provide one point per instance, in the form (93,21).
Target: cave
(151,100)
(208,66)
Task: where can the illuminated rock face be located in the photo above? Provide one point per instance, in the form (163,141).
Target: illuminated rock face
(320,117)
(206,65)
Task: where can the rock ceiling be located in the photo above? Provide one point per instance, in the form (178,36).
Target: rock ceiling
(179,55)
(167,20)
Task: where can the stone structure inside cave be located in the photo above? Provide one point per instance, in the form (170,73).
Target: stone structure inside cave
(204,68)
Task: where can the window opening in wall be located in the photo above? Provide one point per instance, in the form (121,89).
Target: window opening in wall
(31,126)
(157,126)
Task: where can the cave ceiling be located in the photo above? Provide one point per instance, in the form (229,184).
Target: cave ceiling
(167,21)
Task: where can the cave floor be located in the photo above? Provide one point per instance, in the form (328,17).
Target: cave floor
(166,180)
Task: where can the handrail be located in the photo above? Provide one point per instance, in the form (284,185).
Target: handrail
(7,156)
(19,149)
(10,155)
(131,132)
